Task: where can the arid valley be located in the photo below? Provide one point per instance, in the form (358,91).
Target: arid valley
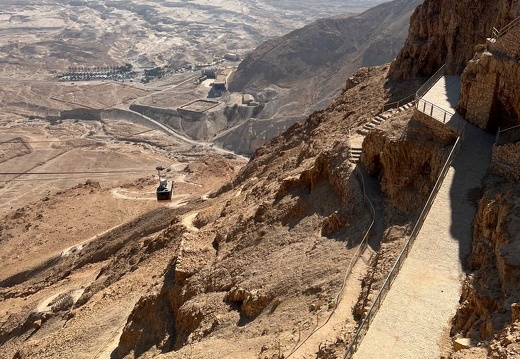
(337,179)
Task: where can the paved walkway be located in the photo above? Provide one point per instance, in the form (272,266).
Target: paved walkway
(416,314)
(444,95)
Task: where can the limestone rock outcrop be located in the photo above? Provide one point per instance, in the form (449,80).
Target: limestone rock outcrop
(446,32)
(489,309)
(490,95)
(409,166)
(505,161)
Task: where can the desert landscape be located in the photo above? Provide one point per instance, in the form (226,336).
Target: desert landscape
(38,42)
(78,158)
(105,33)
(304,159)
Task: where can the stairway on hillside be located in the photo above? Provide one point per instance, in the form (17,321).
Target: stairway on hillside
(355,150)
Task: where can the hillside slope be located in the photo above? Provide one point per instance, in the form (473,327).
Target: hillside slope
(252,268)
(226,276)
(302,71)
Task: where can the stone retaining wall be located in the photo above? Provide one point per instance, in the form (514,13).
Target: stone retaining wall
(167,117)
(84,114)
(439,129)
(505,161)
(119,114)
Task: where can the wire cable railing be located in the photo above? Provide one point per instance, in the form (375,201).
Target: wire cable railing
(361,248)
(439,113)
(397,104)
(430,83)
(385,288)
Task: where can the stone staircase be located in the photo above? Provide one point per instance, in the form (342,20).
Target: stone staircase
(376,121)
(355,154)
(356,150)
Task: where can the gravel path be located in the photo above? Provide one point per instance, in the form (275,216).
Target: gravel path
(416,313)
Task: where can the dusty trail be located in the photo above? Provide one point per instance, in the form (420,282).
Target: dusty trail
(205,145)
(339,320)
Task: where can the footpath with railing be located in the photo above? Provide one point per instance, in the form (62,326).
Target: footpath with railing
(397,104)
(433,110)
(509,135)
(440,114)
(430,83)
(498,33)
(385,288)
(361,248)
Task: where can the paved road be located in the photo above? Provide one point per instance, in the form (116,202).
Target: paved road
(416,313)
(206,145)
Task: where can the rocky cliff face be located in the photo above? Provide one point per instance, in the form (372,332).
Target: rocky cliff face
(446,32)
(506,161)
(490,95)
(408,164)
(489,302)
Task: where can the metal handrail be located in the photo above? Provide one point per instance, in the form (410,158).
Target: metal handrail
(353,262)
(396,104)
(514,128)
(434,106)
(364,241)
(429,84)
(499,33)
(495,34)
(446,115)
(509,135)
(360,333)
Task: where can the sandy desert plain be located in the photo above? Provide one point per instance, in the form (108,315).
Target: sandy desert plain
(40,40)
(66,179)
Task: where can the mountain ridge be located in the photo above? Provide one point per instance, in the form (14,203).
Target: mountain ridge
(319,57)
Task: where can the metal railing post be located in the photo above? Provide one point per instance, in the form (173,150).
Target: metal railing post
(508,135)
(499,33)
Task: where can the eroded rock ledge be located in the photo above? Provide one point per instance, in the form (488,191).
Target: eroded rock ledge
(488,313)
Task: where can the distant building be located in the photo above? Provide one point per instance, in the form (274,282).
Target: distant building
(201,79)
(231,56)
(209,72)
(247,99)
(220,85)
